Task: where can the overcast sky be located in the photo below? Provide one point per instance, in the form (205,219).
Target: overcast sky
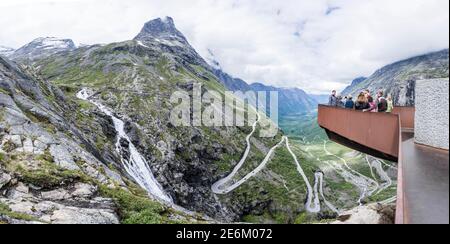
(316,45)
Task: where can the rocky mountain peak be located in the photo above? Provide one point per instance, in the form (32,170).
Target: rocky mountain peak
(161,29)
(53,42)
(42,47)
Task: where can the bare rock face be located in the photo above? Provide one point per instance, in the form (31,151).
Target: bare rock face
(370,214)
(4,179)
(71,215)
(60,206)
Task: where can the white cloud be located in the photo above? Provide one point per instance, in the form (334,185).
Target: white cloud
(290,43)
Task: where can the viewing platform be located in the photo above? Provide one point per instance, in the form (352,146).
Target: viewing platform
(423,171)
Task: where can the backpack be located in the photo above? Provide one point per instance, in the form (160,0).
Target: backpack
(382,105)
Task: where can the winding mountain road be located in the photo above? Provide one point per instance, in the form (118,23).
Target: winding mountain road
(218,187)
(361,181)
(387,181)
(300,170)
(312,205)
(319,177)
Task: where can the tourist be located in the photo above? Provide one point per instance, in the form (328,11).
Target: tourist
(382,104)
(333,99)
(340,102)
(349,104)
(361,102)
(372,103)
(390,104)
(368,94)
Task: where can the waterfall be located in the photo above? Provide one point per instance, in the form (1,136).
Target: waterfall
(136,166)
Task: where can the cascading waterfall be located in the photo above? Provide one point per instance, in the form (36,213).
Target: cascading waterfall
(135,165)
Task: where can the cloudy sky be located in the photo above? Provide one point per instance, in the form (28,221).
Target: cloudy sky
(316,45)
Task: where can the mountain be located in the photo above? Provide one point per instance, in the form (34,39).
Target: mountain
(163,34)
(292,101)
(233,84)
(51,171)
(6,51)
(320,99)
(354,83)
(399,79)
(41,48)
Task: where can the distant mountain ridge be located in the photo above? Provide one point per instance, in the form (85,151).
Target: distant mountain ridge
(6,51)
(320,99)
(354,83)
(42,47)
(291,100)
(399,79)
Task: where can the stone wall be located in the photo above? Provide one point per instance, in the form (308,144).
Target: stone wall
(432,113)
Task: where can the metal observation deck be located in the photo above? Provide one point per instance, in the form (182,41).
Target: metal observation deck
(423,175)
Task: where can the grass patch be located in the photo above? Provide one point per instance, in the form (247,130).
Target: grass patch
(137,209)
(45,174)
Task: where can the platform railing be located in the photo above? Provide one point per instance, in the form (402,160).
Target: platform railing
(372,132)
(376,132)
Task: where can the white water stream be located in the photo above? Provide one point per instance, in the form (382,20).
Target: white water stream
(135,164)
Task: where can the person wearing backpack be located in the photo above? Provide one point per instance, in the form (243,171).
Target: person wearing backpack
(382,103)
(349,104)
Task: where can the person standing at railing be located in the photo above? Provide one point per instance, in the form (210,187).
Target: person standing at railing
(333,101)
(372,103)
(361,102)
(390,103)
(382,104)
(340,102)
(349,104)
